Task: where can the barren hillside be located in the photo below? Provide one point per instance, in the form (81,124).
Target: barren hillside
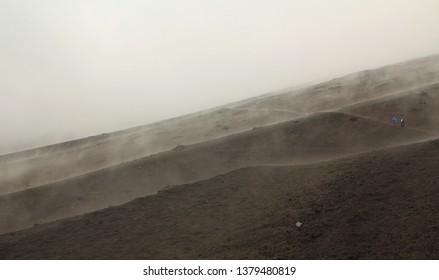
(57,162)
(312,139)
(377,205)
(234,180)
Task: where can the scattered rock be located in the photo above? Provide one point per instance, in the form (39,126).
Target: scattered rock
(299,224)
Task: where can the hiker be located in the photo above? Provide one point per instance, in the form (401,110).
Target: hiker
(402,122)
(394,120)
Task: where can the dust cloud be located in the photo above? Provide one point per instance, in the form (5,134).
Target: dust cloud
(70,70)
(306,125)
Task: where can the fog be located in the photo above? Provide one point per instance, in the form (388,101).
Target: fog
(70,69)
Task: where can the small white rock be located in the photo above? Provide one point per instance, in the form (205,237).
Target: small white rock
(298,224)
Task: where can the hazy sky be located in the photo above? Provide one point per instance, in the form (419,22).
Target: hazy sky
(73,68)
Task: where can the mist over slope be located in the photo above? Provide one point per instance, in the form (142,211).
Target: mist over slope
(312,139)
(41,166)
(355,88)
(344,117)
(418,107)
(376,205)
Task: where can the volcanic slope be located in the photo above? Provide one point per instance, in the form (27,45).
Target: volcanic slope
(315,138)
(419,108)
(375,205)
(354,88)
(53,163)
(272,131)
(44,165)
(359,127)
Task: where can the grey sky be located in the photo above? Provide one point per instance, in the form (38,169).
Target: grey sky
(70,69)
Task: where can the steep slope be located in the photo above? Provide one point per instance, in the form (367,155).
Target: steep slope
(377,205)
(57,162)
(354,88)
(312,139)
(419,107)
